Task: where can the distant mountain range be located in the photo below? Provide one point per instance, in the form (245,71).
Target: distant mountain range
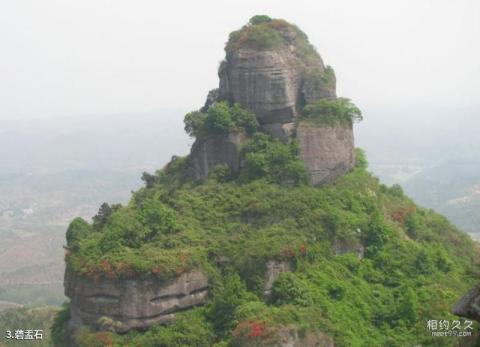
(433,153)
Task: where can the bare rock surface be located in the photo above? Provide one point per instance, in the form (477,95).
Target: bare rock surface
(275,83)
(122,305)
(265,82)
(328,151)
(469,305)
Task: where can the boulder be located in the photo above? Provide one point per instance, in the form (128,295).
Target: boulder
(122,305)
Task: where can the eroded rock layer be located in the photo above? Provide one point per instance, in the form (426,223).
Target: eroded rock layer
(122,305)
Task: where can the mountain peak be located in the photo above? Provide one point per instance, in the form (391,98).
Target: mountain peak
(271,70)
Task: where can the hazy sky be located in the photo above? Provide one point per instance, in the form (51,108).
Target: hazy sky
(69,57)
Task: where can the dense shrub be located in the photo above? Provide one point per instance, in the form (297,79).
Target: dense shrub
(220,118)
(265,33)
(361,159)
(331,112)
(104,212)
(259,19)
(288,288)
(59,326)
(77,230)
(227,297)
(260,36)
(268,157)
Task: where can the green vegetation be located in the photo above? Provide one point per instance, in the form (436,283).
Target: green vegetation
(59,325)
(415,266)
(269,158)
(331,112)
(265,33)
(259,19)
(319,79)
(220,118)
(77,230)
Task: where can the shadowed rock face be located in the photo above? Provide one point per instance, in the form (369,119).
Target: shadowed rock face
(469,305)
(213,150)
(123,305)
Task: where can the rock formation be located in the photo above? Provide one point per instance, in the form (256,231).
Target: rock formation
(275,82)
(469,305)
(213,150)
(121,305)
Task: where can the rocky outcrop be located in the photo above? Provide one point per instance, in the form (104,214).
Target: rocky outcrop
(210,151)
(122,305)
(275,84)
(327,150)
(469,305)
(274,268)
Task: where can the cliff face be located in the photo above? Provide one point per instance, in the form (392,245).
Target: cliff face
(275,83)
(214,150)
(328,151)
(120,306)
